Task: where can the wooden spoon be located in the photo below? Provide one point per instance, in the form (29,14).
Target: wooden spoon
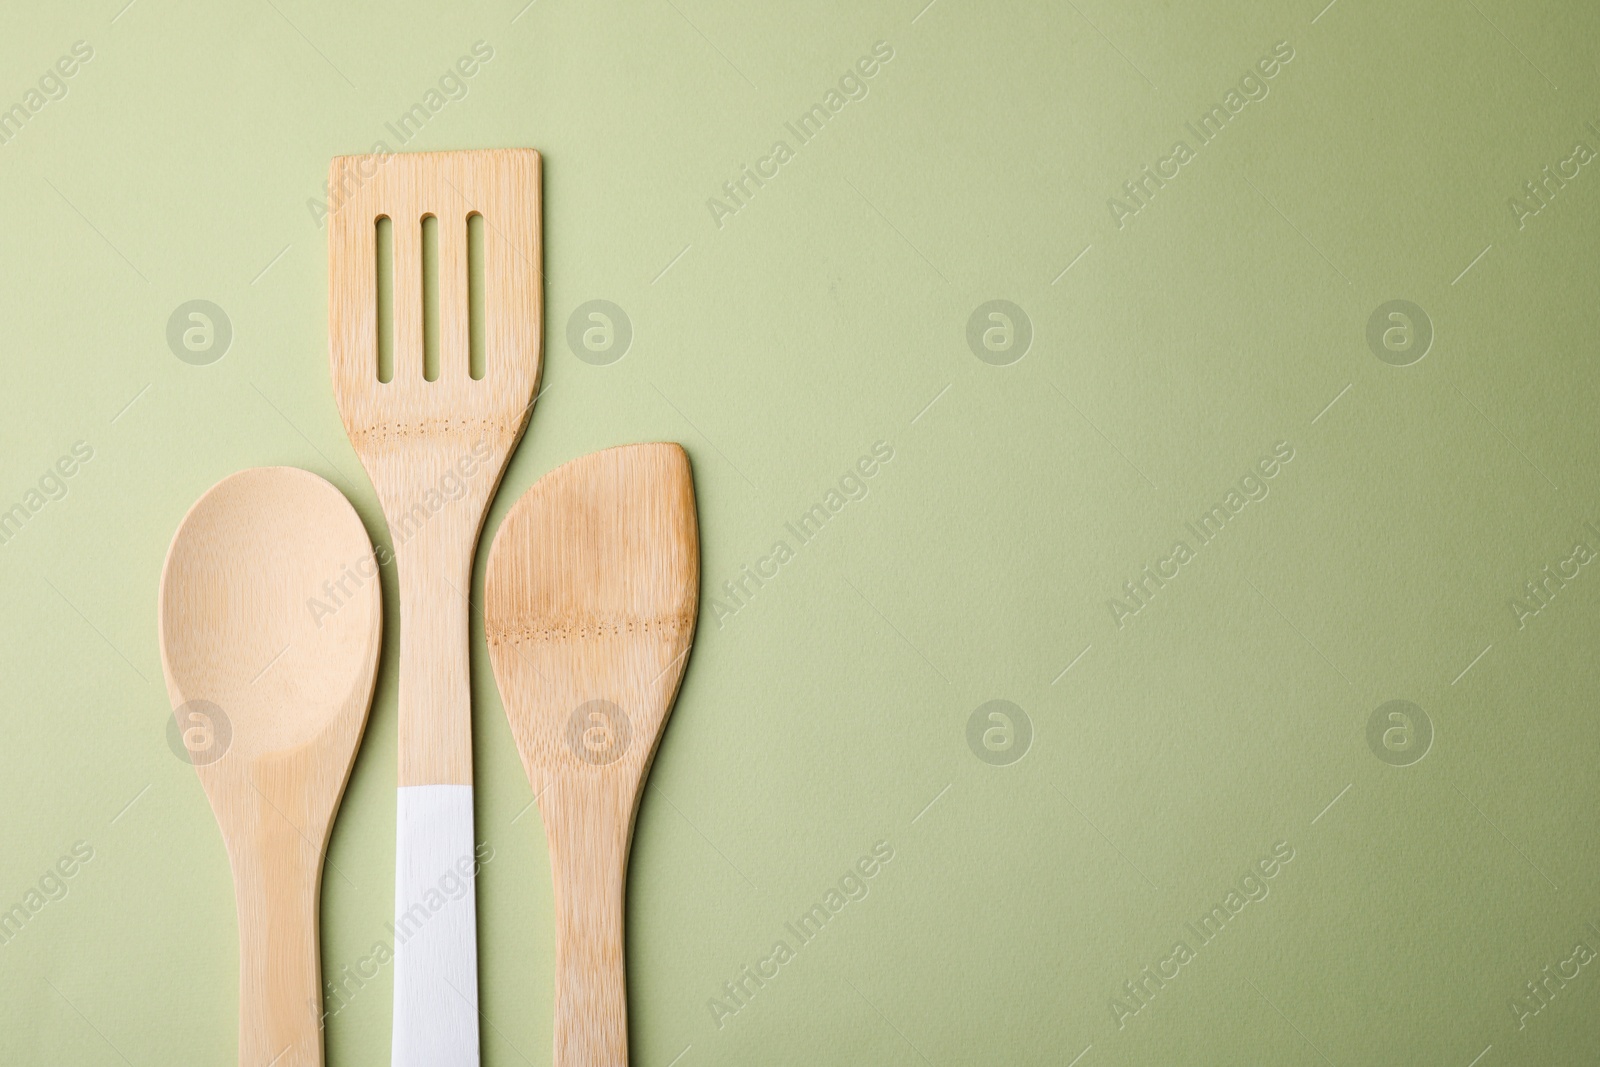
(590,602)
(270,628)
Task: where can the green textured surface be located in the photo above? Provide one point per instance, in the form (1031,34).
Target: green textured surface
(830,711)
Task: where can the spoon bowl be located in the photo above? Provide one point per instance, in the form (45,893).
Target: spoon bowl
(270,618)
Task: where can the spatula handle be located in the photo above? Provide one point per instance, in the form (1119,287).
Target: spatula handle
(589,830)
(435,926)
(435,929)
(434,563)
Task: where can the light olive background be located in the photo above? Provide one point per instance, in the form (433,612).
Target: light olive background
(830,712)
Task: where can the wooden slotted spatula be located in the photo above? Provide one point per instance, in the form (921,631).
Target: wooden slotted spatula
(590,600)
(270,679)
(435,451)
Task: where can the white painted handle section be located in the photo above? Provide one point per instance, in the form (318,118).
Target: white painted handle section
(435,929)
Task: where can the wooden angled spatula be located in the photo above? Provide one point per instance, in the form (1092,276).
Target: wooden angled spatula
(590,602)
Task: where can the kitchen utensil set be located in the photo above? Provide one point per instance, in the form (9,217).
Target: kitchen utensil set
(590,606)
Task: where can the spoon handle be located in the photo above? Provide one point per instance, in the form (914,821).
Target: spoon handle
(277,884)
(589,826)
